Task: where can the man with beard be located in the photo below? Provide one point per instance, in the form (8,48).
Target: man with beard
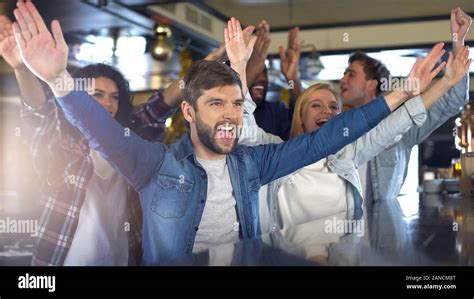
(203,190)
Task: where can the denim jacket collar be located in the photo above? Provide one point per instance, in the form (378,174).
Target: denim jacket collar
(184,147)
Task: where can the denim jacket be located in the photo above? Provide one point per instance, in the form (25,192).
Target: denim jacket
(345,162)
(389,170)
(173,185)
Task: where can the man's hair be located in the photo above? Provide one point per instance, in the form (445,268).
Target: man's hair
(124,112)
(374,69)
(204,75)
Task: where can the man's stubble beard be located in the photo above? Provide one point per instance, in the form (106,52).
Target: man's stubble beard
(206,136)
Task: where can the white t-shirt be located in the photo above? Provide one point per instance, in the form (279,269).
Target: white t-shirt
(311,193)
(310,201)
(101,238)
(219,220)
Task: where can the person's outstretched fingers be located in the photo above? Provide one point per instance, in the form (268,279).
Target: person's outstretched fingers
(36,17)
(58,34)
(28,18)
(19,36)
(25,32)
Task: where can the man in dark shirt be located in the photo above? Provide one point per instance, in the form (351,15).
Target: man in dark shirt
(270,116)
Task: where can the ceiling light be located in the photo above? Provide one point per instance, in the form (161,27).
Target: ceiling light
(161,49)
(274,75)
(313,65)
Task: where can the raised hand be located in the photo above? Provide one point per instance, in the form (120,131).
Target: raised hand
(457,66)
(260,49)
(460,23)
(8,48)
(220,55)
(290,57)
(44,54)
(423,70)
(238,51)
(247,33)
(256,62)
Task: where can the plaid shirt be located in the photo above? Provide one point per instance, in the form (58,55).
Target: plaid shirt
(61,158)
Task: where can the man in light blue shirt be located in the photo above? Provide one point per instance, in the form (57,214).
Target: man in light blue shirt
(386,173)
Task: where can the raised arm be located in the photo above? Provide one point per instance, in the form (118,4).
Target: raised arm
(453,100)
(277,160)
(412,114)
(343,129)
(238,50)
(253,135)
(149,121)
(460,24)
(420,77)
(389,131)
(46,57)
(259,54)
(448,106)
(32,93)
(456,68)
(289,60)
(39,112)
(458,61)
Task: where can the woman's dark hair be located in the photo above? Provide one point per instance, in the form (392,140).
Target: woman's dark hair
(124,113)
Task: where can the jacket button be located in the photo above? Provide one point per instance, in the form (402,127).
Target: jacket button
(196,228)
(202,200)
(203,175)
